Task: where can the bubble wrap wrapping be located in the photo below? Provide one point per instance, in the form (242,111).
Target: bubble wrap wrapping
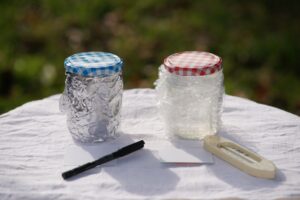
(190,105)
(92,105)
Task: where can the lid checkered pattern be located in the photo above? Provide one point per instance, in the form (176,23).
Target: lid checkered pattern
(93,64)
(193,63)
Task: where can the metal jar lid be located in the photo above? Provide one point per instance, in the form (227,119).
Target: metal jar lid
(193,63)
(93,64)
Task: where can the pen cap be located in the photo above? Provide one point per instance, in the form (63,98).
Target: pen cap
(129,149)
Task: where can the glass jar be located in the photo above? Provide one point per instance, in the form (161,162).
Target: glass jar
(190,93)
(92,96)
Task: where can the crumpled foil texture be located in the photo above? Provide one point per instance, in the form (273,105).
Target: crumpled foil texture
(92,105)
(190,106)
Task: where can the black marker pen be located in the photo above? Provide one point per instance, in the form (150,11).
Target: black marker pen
(120,153)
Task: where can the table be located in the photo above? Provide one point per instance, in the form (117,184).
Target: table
(33,138)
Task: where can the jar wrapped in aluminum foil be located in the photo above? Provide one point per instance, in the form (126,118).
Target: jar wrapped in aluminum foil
(190,92)
(92,96)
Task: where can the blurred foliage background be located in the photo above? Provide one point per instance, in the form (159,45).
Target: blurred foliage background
(258,41)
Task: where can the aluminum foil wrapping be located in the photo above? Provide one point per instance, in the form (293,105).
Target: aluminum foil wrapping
(92,105)
(191,106)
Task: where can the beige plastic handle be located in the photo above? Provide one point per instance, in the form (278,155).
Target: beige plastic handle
(240,157)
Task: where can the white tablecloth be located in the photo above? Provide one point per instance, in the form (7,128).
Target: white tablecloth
(33,138)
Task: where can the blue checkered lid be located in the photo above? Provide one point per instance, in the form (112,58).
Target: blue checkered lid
(93,64)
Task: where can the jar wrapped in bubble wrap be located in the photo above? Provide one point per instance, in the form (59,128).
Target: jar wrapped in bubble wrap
(190,92)
(92,96)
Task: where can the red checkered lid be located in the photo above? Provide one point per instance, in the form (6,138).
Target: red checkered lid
(193,63)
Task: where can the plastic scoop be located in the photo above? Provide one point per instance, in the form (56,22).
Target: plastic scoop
(240,157)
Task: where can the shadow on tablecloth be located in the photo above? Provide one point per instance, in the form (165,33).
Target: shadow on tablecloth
(142,173)
(139,173)
(232,176)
